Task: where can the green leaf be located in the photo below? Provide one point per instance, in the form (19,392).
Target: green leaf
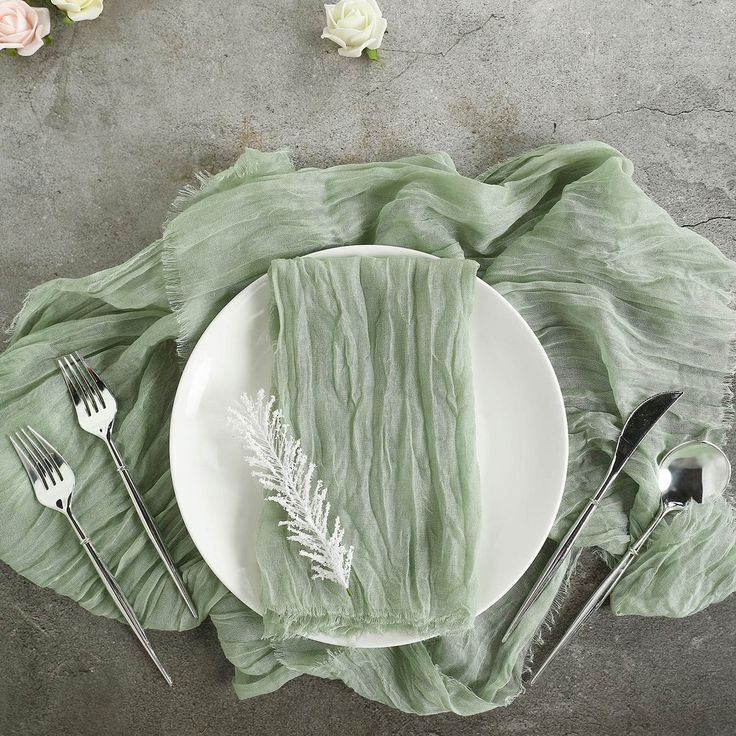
(11,52)
(373,55)
(67,21)
(47,40)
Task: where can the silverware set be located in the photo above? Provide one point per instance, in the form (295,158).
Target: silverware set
(692,471)
(53,482)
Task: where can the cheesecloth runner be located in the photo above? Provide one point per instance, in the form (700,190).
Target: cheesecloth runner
(625,302)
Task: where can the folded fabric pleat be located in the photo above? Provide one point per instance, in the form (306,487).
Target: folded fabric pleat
(372,370)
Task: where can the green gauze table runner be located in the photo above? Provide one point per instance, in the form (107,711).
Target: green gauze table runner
(372,370)
(625,303)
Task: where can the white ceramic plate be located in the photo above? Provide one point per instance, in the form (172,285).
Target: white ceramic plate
(521,435)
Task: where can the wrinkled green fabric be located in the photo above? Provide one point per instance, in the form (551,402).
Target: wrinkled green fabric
(372,370)
(625,303)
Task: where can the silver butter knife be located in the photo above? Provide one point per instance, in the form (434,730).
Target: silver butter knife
(636,428)
(96,409)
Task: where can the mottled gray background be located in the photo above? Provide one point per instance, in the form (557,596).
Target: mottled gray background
(98,132)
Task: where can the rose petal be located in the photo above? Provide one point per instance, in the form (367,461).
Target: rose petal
(44,22)
(68,5)
(19,37)
(352,21)
(331,37)
(22,22)
(89,13)
(351,52)
(378,37)
(330,13)
(31,48)
(357,37)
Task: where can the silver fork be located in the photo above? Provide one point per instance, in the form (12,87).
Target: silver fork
(96,409)
(53,483)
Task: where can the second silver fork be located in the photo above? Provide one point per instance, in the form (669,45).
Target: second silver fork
(96,409)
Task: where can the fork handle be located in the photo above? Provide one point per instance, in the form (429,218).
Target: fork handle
(149,525)
(113,588)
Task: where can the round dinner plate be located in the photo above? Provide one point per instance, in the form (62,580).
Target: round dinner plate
(521,434)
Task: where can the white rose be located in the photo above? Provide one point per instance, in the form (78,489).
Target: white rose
(80,9)
(354,25)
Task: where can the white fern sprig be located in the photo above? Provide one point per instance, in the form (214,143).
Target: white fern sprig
(281,466)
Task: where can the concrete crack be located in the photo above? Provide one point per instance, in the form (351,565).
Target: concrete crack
(711,219)
(414,51)
(27,618)
(461,37)
(395,77)
(659,110)
(36,116)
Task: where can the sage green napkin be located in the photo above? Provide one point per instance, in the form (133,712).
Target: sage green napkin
(372,370)
(624,302)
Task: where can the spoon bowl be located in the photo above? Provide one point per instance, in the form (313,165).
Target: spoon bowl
(692,471)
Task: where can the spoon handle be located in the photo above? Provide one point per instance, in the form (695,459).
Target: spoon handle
(604,589)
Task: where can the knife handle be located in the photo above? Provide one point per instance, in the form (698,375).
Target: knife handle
(563,549)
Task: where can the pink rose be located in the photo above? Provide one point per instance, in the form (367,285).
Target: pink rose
(23,27)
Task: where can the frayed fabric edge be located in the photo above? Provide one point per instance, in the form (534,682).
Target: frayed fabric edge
(727,394)
(297,623)
(247,165)
(205,184)
(175,296)
(11,328)
(546,625)
(188,195)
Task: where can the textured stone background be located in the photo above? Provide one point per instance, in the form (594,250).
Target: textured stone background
(98,132)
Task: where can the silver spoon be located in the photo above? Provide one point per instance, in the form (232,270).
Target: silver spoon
(692,471)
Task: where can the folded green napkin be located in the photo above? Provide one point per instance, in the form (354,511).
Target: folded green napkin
(624,301)
(372,370)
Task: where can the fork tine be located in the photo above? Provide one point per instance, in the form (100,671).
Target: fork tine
(40,454)
(55,456)
(71,377)
(27,463)
(38,468)
(97,383)
(85,380)
(69,381)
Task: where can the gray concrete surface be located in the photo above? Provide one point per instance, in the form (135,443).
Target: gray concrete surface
(100,130)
